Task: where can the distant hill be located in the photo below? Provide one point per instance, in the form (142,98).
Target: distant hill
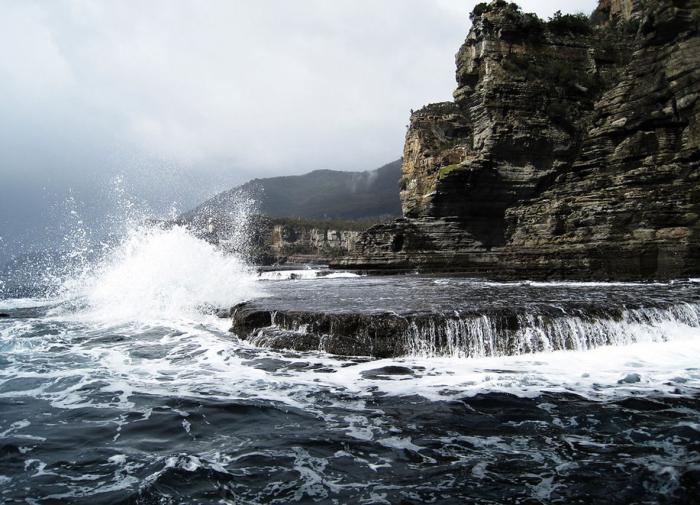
(321,194)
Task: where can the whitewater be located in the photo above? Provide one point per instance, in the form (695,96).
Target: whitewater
(123,385)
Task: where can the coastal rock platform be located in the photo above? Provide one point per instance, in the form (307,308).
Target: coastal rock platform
(458,317)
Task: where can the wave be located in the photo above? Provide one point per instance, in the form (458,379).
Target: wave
(161,273)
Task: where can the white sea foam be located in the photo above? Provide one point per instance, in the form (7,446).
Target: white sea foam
(304,274)
(202,360)
(279,275)
(590,283)
(26,303)
(342,275)
(569,284)
(662,368)
(159,274)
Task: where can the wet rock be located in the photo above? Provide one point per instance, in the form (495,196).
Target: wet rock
(387,372)
(4,315)
(468,329)
(349,334)
(631,378)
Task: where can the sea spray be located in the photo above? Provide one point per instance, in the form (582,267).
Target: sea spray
(166,272)
(161,270)
(227,220)
(132,267)
(42,272)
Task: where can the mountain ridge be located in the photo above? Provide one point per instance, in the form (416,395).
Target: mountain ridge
(319,194)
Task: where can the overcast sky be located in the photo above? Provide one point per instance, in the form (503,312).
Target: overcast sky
(184,98)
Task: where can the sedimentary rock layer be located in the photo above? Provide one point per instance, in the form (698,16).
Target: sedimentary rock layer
(499,331)
(571,150)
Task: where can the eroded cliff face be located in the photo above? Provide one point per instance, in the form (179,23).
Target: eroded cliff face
(267,241)
(631,200)
(570,150)
(518,116)
(299,243)
(613,11)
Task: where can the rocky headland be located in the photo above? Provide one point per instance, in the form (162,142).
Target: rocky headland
(267,241)
(571,150)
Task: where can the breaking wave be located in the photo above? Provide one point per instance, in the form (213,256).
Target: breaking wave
(163,272)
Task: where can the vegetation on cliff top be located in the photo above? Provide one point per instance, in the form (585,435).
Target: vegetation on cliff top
(532,25)
(575,24)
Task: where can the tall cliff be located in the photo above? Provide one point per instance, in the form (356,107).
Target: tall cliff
(571,149)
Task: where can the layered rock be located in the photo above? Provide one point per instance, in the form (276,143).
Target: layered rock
(630,202)
(499,330)
(570,150)
(265,241)
(612,11)
(303,243)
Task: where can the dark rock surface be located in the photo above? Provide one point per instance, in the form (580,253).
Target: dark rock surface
(497,332)
(344,334)
(571,150)
(379,317)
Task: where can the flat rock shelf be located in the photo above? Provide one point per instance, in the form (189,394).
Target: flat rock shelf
(427,316)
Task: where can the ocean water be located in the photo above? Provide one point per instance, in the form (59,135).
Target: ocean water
(120,385)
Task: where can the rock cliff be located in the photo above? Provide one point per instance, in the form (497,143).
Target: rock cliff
(298,243)
(571,150)
(266,241)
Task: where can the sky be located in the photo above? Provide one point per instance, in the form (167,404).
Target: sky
(179,99)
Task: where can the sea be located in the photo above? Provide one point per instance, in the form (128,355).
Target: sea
(120,383)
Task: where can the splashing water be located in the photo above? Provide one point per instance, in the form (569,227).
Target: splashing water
(138,268)
(164,273)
